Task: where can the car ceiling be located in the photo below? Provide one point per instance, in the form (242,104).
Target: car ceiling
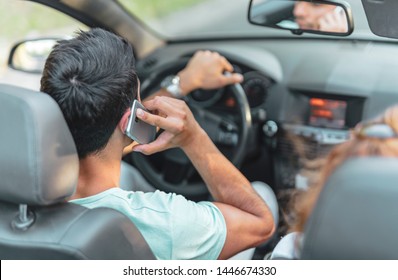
(111,15)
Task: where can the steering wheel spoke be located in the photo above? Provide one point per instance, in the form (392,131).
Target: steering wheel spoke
(220,129)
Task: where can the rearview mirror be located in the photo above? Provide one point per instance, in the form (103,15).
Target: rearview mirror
(312,16)
(30,55)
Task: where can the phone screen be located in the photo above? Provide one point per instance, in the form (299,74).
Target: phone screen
(137,129)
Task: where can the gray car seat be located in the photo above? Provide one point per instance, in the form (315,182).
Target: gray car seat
(38,171)
(355,216)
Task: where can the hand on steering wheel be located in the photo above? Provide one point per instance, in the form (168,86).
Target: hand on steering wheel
(205,70)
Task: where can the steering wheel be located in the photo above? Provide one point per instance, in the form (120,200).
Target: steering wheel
(171,170)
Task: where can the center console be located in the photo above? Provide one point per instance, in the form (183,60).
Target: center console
(312,125)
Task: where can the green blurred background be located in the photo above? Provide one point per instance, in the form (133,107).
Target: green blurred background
(24,19)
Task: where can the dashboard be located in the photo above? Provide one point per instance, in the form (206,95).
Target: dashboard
(312,90)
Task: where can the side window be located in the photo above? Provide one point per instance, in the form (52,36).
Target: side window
(21,20)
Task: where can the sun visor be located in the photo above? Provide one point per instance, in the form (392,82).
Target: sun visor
(382,17)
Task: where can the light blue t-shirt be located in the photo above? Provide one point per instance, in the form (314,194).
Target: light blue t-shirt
(174,227)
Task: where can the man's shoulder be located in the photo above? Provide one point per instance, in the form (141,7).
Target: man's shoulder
(158,200)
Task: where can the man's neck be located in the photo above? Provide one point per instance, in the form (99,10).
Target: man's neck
(97,173)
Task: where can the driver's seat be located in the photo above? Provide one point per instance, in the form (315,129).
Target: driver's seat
(39,170)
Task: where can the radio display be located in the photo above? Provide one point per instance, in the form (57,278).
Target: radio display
(327,113)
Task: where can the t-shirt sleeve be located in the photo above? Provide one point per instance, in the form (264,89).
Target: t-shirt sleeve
(198,230)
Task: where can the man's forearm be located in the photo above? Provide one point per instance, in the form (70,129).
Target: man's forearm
(225,182)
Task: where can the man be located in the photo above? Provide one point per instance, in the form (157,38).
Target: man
(321,17)
(92,78)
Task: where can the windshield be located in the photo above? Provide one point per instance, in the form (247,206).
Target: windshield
(190,19)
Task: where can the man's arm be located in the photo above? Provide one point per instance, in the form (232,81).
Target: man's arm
(249,220)
(204,70)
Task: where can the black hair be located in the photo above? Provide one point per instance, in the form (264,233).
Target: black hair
(92,77)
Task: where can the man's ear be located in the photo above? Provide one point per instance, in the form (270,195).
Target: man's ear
(124,120)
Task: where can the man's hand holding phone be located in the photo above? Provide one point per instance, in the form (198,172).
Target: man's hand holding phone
(176,119)
(335,21)
(137,130)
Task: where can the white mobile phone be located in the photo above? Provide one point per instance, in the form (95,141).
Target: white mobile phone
(137,129)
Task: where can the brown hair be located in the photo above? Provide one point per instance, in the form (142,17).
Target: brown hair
(357,146)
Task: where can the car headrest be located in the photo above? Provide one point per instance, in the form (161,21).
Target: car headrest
(38,159)
(355,216)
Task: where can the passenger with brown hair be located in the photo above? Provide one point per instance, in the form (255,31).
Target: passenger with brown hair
(376,138)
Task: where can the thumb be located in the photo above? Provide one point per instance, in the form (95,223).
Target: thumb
(154,147)
(146,149)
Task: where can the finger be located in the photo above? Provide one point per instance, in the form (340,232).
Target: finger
(329,19)
(128,149)
(197,53)
(160,104)
(340,18)
(235,78)
(154,147)
(322,24)
(169,106)
(164,123)
(325,20)
(227,66)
